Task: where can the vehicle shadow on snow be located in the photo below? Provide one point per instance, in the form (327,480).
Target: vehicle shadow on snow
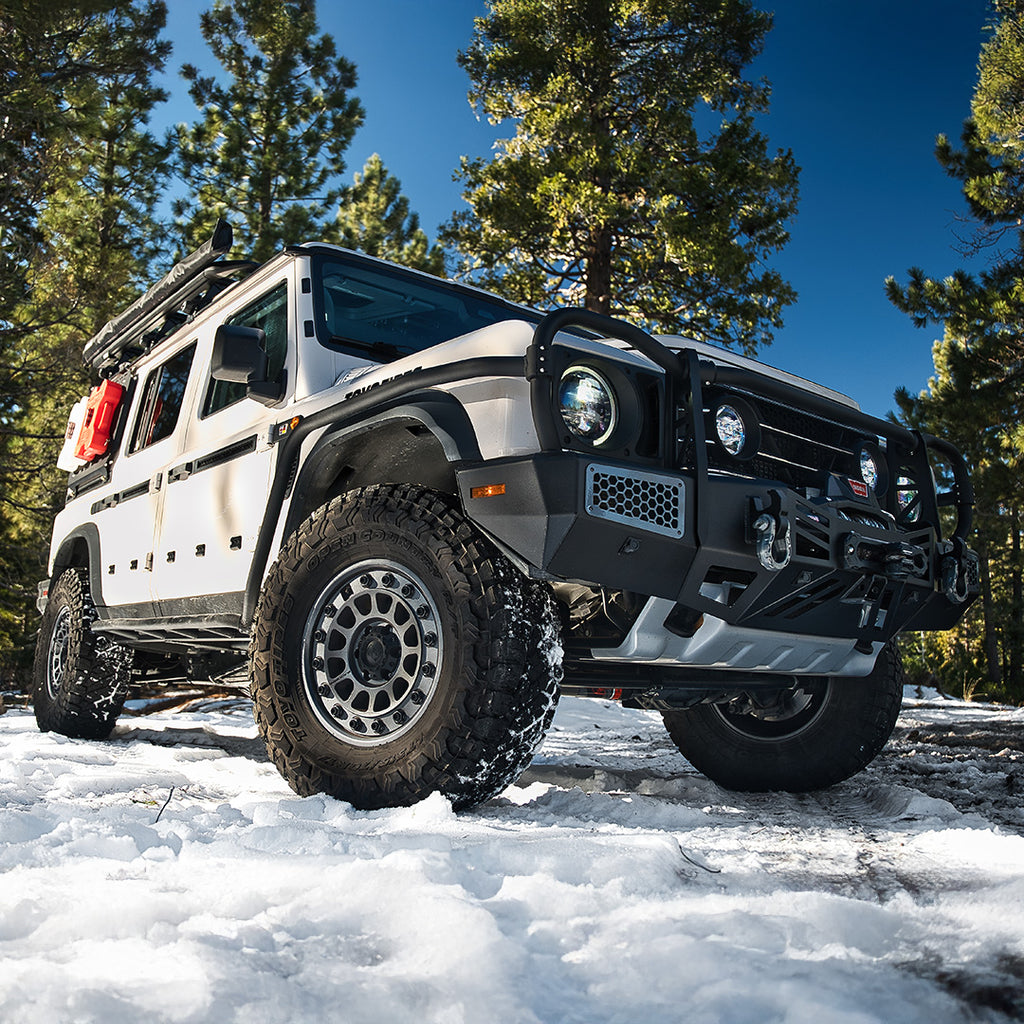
(920,758)
(857,798)
(886,793)
(623,781)
(251,747)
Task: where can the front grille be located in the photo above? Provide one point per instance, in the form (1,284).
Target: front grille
(797,448)
(646,501)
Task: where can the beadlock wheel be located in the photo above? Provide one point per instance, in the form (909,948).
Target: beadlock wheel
(79,678)
(372,644)
(396,653)
(811,736)
(58,653)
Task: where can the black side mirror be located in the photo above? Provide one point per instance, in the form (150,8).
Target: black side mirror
(239,356)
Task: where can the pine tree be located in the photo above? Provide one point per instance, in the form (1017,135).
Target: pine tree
(36,64)
(636,181)
(46,50)
(98,229)
(374,218)
(88,194)
(990,168)
(267,153)
(968,404)
(975,396)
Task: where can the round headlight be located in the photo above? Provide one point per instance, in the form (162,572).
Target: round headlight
(587,404)
(868,468)
(731,430)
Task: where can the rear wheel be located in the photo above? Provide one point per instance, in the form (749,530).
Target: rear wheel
(809,737)
(396,653)
(80,678)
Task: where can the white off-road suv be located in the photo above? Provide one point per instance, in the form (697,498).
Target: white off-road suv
(420,512)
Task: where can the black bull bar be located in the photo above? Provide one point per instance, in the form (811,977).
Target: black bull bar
(909,552)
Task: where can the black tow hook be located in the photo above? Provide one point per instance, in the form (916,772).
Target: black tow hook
(893,559)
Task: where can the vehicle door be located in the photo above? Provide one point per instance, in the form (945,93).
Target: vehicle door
(127,517)
(216,491)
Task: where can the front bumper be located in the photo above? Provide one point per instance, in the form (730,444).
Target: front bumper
(835,567)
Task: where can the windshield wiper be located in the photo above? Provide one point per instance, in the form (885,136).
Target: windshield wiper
(376,348)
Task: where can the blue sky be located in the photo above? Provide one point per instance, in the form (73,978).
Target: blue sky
(860,89)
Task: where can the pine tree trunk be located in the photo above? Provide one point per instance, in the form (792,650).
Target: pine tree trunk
(1017,603)
(992,665)
(599,271)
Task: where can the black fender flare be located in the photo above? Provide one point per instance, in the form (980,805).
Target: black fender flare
(439,413)
(86,534)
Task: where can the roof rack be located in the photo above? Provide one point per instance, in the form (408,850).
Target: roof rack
(187,287)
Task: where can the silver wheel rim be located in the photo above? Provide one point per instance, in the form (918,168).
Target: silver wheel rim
(58,652)
(372,649)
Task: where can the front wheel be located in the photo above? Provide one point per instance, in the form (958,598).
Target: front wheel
(820,732)
(80,678)
(396,653)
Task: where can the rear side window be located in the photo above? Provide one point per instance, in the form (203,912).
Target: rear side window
(161,400)
(270,314)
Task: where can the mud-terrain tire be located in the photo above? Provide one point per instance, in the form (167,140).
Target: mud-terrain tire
(396,653)
(835,726)
(80,678)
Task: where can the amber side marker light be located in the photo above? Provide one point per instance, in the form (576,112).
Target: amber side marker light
(490,491)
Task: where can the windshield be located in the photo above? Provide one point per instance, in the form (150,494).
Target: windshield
(375,309)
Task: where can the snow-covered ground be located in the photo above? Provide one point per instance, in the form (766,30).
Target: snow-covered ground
(170,875)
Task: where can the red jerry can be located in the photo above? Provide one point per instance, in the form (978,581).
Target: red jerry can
(99,420)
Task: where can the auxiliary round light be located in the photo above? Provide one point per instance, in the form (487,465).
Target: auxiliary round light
(868,469)
(587,404)
(872,467)
(731,430)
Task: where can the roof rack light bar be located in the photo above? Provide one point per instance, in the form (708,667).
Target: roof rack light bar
(186,279)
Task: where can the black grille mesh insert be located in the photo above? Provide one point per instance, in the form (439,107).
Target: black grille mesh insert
(646,501)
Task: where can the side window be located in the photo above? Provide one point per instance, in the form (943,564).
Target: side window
(161,400)
(270,313)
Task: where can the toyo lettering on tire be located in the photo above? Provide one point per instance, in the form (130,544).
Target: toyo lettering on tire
(816,734)
(397,653)
(80,678)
